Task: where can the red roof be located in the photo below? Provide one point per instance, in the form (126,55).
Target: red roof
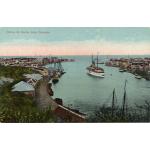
(68,115)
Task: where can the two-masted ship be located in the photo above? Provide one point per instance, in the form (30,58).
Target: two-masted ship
(94,69)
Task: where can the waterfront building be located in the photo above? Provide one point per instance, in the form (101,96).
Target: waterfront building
(24,87)
(33,78)
(124,64)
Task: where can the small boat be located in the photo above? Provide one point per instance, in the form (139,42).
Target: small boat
(55,80)
(63,72)
(138,76)
(122,70)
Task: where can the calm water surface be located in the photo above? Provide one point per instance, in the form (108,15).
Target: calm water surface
(86,93)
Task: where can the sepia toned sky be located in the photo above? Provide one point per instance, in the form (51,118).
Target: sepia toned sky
(74,41)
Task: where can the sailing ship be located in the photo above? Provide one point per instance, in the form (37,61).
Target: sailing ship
(57,71)
(94,69)
(58,67)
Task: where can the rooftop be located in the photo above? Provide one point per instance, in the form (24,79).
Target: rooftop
(22,87)
(33,76)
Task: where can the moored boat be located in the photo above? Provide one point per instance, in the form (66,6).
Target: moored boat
(56,77)
(55,80)
(138,76)
(122,70)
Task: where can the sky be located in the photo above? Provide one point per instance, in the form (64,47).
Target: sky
(74,41)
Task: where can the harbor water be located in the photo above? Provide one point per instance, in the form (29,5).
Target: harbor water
(87,93)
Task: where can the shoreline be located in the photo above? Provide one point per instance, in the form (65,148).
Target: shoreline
(135,66)
(62,112)
(45,100)
(42,90)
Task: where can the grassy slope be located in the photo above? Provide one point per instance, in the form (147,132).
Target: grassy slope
(18,107)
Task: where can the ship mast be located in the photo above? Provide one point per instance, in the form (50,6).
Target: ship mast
(113,103)
(92,59)
(97,60)
(124,104)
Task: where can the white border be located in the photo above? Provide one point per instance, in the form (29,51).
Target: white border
(106,136)
(85,13)
(77,13)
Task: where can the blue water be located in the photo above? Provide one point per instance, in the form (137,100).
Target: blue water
(86,93)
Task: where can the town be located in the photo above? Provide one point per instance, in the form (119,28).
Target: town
(30,77)
(140,67)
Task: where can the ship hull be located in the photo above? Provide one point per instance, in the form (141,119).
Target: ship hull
(100,75)
(55,80)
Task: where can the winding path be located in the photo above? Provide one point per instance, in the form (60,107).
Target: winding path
(43,99)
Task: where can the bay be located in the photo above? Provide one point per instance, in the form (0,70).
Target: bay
(87,93)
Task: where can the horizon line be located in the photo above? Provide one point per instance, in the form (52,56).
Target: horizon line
(72,55)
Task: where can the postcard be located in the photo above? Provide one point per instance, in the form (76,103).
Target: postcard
(74,74)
